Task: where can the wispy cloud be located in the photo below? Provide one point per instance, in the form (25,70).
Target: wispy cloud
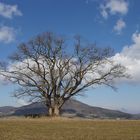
(112,7)
(115,7)
(103,11)
(8,11)
(7,34)
(120,25)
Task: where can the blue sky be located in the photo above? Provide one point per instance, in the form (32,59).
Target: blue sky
(114,23)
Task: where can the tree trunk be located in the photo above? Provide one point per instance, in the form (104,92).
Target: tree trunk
(50,111)
(54,111)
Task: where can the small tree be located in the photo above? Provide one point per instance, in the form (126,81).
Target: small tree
(45,69)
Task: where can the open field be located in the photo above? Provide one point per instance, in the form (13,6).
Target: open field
(68,129)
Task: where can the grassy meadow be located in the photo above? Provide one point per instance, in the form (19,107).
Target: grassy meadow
(68,129)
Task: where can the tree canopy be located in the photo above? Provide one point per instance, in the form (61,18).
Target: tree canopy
(52,69)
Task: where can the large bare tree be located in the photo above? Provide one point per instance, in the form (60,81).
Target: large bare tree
(51,69)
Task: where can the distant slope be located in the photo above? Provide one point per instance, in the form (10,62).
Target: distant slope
(7,110)
(35,108)
(84,110)
(71,108)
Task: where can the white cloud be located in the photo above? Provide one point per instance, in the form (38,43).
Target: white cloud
(22,102)
(133,51)
(7,34)
(113,7)
(8,11)
(117,6)
(130,58)
(120,24)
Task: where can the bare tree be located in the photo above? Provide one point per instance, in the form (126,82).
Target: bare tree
(47,70)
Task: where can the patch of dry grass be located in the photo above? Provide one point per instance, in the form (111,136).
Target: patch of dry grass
(68,129)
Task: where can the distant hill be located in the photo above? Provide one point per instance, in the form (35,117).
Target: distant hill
(84,110)
(6,110)
(71,108)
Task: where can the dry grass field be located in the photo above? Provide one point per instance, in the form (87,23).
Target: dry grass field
(68,129)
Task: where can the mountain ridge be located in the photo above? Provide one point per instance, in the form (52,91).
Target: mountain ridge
(72,108)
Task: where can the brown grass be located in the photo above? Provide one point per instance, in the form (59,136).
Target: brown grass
(68,129)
